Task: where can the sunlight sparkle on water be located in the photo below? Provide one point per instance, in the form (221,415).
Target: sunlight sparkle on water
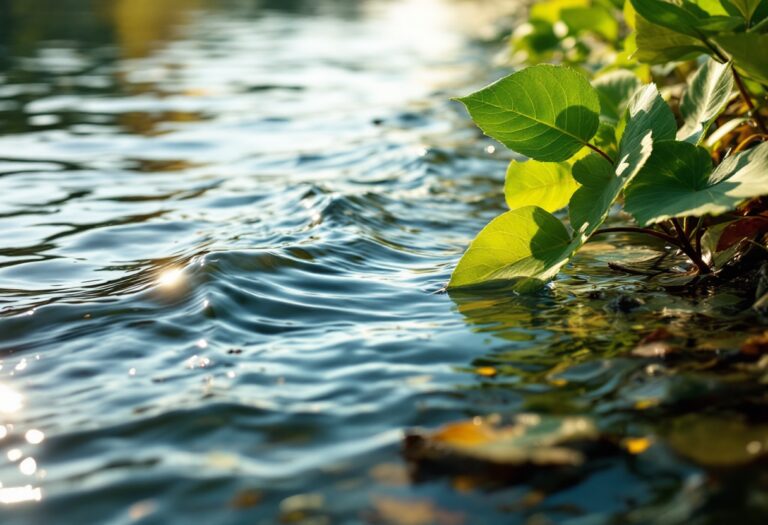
(12,495)
(171,277)
(28,466)
(10,400)
(34,436)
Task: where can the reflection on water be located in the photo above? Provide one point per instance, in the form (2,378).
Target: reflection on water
(223,230)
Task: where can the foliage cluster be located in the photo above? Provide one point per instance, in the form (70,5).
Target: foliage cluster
(688,159)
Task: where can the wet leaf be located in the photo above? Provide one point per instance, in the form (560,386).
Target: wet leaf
(755,345)
(746,228)
(636,445)
(545,112)
(713,441)
(531,440)
(393,511)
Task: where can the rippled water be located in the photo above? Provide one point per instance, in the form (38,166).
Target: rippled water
(224,231)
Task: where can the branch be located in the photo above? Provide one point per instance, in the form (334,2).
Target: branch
(645,231)
(600,152)
(748,100)
(692,254)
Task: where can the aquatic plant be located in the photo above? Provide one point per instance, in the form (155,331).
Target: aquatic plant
(591,145)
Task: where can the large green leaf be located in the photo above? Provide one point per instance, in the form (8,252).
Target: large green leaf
(615,90)
(523,245)
(706,97)
(659,45)
(746,7)
(668,15)
(548,185)
(678,181)
(648,119)
(545,112)
(593,19)
(749,52)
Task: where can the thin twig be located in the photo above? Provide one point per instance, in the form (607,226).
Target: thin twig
(600,152)
(645,231)
(749,140)
(758,118)
(692,254)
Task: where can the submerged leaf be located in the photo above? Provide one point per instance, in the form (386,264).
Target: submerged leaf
(524,245)
(678,181)
(548,185)
(532,440)
(706,97)
(545,112)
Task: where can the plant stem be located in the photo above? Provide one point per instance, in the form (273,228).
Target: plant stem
(749,140)
(739,83)
(600,152)
(685,245)
(645,231)
(748,100)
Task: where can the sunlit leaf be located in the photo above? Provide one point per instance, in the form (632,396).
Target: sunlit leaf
(669,15)
(678,181)
(647,119)
(706,97)
(659,45)
(615,90)
(550,10)
(525,245)
(592,19)
(548,185)
(545,112)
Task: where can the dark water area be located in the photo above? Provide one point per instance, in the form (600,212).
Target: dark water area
(224,232)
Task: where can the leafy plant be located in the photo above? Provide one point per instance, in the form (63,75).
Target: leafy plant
(591,145)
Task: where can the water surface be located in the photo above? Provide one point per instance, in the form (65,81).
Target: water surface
(224,232)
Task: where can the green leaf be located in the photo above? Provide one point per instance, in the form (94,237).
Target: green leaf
(706,97)
(748,51)
(668,15)
(659,45)
(591,19)
(545,112)
(548,185)
(648,119)
(591,203)
(746,7)
(523,245)
(615,90)
(646,112)
(678,181)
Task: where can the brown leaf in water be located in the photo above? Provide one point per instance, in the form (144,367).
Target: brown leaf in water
(755,345)
(745,228)
(393,511)
(246,499)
